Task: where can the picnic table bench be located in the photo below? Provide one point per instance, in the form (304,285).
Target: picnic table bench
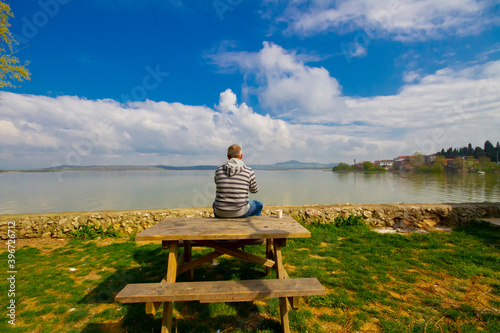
(224,236)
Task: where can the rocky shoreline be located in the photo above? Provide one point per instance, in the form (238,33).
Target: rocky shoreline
(397,215)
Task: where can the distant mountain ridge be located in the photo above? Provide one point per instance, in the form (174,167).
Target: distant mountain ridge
(292,164)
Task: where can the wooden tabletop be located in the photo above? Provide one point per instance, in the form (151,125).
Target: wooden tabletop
(209,228)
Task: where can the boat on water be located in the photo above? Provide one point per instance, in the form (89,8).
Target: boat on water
(481,172)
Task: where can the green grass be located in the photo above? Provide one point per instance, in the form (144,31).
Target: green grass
(436,282)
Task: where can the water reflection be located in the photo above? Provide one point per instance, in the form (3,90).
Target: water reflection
(84,191)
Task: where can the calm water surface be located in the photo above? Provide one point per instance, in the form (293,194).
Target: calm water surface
(88,191)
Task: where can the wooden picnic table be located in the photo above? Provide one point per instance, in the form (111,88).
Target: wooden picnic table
(224,236)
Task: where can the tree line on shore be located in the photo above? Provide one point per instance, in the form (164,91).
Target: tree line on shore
(489,151)
(464,159)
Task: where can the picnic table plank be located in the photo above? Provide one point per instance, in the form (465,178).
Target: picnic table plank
(197,262)
(236,253)
(219,291)
(209,228)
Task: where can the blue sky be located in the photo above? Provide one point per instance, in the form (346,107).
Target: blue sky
(176,82)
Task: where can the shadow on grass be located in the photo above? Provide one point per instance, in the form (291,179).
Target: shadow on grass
(140,323)
(152,263)
(193,317)
(135,320)
(108,327)
(485,232)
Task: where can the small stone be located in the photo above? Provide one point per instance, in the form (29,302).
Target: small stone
(429,223)
(401,225)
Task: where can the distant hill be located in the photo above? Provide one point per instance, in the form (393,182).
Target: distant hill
(194,167)
(292,164)
(68,168)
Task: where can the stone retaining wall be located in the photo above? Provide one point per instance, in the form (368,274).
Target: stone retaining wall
(57,225)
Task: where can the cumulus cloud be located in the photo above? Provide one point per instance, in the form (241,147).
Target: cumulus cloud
(429,112)
(284,84)
(39,131)
(304,116)
(400,20)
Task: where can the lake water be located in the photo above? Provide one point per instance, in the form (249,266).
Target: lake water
(90,191)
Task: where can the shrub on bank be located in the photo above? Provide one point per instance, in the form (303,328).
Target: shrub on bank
(368,166)
(88,232)
(490,167)
(342,167)
(349,221)
(435,168)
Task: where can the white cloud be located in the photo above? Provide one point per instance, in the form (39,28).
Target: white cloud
(284,84)
(309,119)
(39,131)
(9,133)
(443,107)
(400,20)
(410,76)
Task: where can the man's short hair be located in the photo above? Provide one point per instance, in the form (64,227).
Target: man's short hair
(234,151)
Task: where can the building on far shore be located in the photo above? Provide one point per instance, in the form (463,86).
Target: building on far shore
(448,162)
(429,159)
(388,164)
(409,163)
(401,162)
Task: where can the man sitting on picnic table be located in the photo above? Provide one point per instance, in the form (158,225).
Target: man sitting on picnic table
(234,180)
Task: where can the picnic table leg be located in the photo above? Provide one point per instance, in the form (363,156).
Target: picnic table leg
(269,254)
(281,274)
(188,256)
(168,307)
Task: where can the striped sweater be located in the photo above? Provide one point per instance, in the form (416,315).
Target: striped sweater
(234,180)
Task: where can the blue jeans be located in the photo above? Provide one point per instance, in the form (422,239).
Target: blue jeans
(254,210)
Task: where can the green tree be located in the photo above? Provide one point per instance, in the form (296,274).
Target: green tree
(341,166)
(478,152)
(367,166)
(437,168)
(417,159)
(469,164)
(458,163)
(440,160)
(497,151)
(489,150)
(424,168)
(483,160)
(10,69)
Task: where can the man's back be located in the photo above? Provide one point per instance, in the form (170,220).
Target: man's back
(234,180)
